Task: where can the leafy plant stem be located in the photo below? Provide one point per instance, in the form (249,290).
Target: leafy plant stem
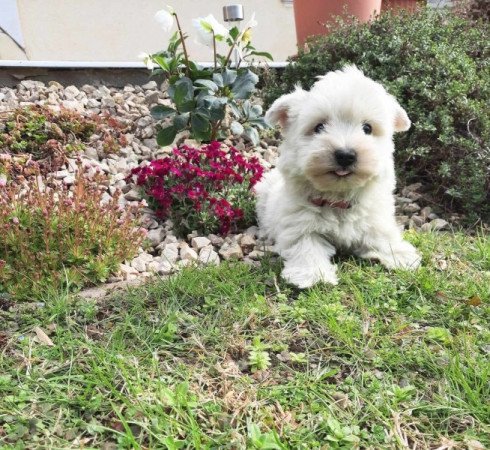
(214,50)
(184,48)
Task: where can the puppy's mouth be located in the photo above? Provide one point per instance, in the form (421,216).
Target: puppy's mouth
(341,173)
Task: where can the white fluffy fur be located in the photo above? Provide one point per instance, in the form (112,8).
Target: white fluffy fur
(306,235)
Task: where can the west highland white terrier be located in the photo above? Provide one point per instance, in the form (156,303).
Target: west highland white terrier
(334,181)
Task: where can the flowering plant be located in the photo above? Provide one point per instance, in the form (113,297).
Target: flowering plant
(204,189)
(57,237)
(206,101)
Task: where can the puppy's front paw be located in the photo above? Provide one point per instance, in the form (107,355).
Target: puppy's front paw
(306,277)
(407,260)
(403,256)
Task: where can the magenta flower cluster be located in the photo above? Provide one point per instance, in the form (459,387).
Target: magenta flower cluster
(205,189)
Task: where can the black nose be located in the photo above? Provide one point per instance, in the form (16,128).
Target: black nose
(345,157)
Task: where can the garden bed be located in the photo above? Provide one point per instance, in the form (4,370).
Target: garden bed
(129,108)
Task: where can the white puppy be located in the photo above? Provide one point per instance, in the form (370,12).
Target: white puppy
(334,181)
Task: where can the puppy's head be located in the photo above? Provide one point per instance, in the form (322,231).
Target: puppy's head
(338,136)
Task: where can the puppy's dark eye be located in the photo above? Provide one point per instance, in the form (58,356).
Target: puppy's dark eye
(368,129)
(319,128)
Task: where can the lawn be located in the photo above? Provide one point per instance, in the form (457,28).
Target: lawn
(232,357)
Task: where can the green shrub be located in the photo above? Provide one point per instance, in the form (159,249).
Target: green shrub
(438,66)
(53,237)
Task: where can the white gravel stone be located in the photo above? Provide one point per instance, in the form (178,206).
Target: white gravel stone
(187,253)
(200,242)
(71,92)
(150,85)
(91,153)
(140,262)
(61,174)
(170,253)
(435,225)
(127,272)
(256,254)
(217,241)
(156,236)
(69,180)
(132,195)
(207,255)
(231,250)
(247,241)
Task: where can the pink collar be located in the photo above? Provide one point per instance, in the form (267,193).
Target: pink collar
(340,204)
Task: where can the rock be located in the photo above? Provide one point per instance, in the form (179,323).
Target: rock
(61,174)
(152,97)
(438,224)
(170,253)
(256,254)
(91,152)
(74,105)
(170,239)
(140,262)
(165,268)
(156,236)
(199,242)
(133,195)
(150,85)
(108,102)
(69,180)
(127,272)
(418,220)
(411,188)
(207,255)
(71,92)
(426,212)
(187,253)
(270,156)
(32,85)
(231,250)
(144,121)
(216,240)
(411,208)
(93,103)
(247,242)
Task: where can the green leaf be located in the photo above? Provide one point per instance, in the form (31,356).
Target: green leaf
(181,121)
(236,128)
(162,62)
(218,79)
(217,111)
(182,92)
(234,33)
(263,54)
(159,112)
(235,109)
(210,85)
(166,136)
(200,126)
(199,123)
(252,134)
(187,106)
(244,84)
(229,76)
(260,123)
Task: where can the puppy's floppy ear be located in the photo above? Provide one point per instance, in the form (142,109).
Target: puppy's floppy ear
(285,107)
(402,122)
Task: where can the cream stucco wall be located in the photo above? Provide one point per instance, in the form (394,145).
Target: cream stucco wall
(118,30)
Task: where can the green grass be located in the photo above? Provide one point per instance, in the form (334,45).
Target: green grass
(232,357)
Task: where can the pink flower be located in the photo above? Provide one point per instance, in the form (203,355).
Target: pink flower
(195,181)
